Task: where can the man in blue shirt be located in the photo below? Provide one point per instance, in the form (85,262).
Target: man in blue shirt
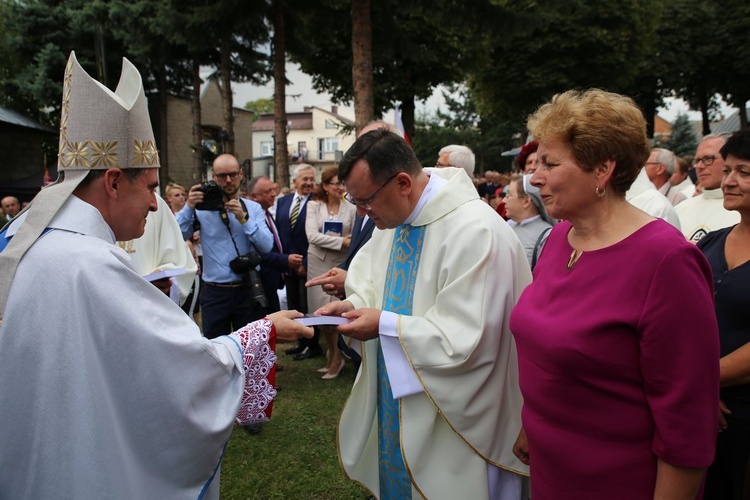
(227,299)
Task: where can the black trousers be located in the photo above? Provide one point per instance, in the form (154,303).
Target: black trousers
(728,477)
(227,309)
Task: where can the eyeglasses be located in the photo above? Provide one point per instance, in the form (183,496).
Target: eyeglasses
(707,160)
(652,163)
(339,184)
(223,177)
(365,204)
(440,165)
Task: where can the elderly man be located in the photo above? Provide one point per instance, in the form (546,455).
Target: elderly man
(275,264)
(107,389)
(11,206)
(457,156)
(644,195)
(660,167)
(291,211)
(704,213)
(435,406)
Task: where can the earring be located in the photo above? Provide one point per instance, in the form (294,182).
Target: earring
(599,192)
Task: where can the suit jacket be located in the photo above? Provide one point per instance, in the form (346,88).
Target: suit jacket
(360,236)
(272,265)
(293,239)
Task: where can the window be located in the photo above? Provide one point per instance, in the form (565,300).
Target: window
(327,145)
(331,124)
(266,148)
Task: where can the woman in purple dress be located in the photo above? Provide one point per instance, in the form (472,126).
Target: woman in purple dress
(617,338)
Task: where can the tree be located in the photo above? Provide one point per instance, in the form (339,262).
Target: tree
(362,77)
(461,124)
(281,152)
(260,106)
(537,49)
(416,46)
(682,140)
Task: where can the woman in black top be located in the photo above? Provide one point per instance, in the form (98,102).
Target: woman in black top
(728,251)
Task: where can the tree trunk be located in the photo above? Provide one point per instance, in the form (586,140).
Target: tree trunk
(163,128)
(649,111)
(743,113)
(703,97)
(362,77)
(197,136)
(226,93)
(407,116)
(281,154)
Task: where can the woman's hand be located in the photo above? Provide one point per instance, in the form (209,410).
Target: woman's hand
(347,241)
(288,330)
(521,447)
(723,410)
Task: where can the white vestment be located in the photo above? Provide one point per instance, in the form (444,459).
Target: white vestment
(686,187)
(704,213)
(162,247)
(644,195)
(108,388)
(471,272)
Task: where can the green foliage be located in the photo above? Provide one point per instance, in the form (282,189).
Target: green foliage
(542,48)
(295,456)
(461,124)
(416,46)
(682,140)
(262,105)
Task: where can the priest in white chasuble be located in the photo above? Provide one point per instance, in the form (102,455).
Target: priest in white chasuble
(107,388)
(436,405)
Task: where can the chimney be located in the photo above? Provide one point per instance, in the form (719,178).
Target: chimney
(335,110)
(306,109)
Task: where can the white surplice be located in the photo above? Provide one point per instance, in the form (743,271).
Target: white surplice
(108,389)
(471,272)
(644,196)
(704,213)
(162,247)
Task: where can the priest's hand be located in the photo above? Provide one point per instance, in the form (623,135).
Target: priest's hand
(164,285)
(288,330)
(331,282)
(337,308)
(365,324)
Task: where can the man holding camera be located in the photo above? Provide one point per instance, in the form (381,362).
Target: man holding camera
(233,233)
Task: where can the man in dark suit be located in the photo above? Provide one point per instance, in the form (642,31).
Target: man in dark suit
(276,264)
(291,211)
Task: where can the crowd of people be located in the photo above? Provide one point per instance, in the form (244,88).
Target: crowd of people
(575,329)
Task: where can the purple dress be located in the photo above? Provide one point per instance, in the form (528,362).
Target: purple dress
(618,361)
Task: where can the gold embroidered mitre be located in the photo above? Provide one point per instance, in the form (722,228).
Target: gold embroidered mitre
(101,129)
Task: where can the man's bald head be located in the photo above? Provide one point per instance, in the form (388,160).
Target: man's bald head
(11,206)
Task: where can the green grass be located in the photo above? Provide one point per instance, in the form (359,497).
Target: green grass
(295,455)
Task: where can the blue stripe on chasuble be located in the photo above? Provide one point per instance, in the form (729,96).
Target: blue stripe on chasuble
(398,294)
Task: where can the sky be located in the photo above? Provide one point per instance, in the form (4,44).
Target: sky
(300,93)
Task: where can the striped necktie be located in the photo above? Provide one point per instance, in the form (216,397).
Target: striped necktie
(295,212)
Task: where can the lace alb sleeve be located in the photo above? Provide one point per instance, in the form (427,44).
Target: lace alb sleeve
(257,341)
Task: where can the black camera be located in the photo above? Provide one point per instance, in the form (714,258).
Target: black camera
(245,265)
(213,197)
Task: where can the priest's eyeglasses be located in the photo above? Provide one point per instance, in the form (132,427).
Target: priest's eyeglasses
(365,204)
(707,160)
